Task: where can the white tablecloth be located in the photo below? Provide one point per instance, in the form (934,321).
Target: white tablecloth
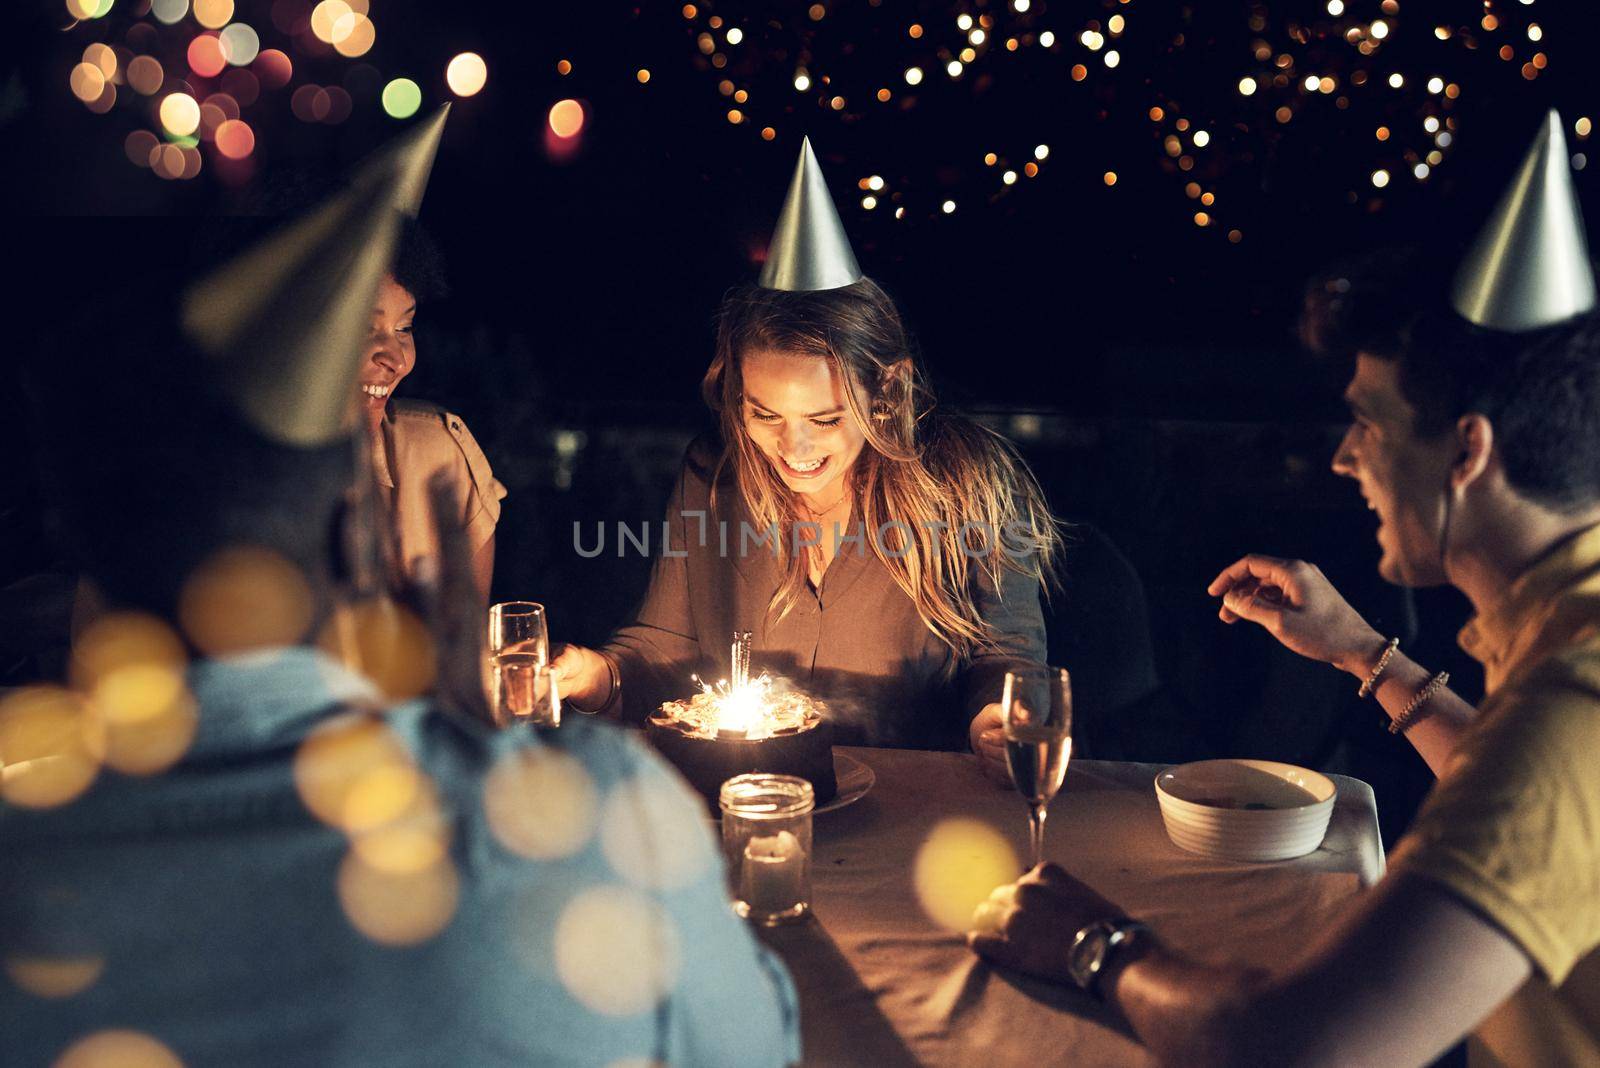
(881,984)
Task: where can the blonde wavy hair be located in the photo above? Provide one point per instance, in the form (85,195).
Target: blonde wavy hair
(937,486)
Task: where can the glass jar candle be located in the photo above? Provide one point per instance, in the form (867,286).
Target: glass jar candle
(766,838)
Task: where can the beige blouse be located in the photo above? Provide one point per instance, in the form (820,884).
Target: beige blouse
(416,439)
(856,642)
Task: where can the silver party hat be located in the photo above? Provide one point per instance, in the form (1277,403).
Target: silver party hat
(286,321)
(411,155)
(1529,267)
(809,249)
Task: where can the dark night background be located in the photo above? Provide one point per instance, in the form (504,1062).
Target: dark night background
(1147,365)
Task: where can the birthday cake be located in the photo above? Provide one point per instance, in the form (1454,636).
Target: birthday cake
(785,734)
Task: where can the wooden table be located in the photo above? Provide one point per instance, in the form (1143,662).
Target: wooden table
(882,984)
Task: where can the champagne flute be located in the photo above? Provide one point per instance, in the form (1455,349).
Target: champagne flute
(1036,711)
(520,625)
(519,647)
(522,689)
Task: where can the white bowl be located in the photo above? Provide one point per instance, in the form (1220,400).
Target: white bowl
(1245,809)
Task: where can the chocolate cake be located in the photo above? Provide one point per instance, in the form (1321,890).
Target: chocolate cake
(708,758)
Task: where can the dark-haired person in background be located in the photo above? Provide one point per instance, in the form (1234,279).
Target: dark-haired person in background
(1478,445)
(413,439)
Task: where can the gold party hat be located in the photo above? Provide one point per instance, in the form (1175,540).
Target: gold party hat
(1529,267)
(809,249)
(286,321)
(411,155)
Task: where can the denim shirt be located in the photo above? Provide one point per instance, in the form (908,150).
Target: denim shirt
(209,900)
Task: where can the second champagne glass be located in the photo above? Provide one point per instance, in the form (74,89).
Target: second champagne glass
(519,649)
(519,626)
(1037,717)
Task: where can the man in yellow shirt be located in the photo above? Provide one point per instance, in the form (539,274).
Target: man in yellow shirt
(1477,443)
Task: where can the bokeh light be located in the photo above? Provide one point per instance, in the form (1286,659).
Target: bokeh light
(310,103)
(82,9)
(274,68)
(395,908)
(213,14)
(385,642)
(102,56)
(87,82)
(957,866)
(169,12)
(653,835)
(138,145)
(52,746)
(244,598)
(241,44)
(145,75)
(566,118)
(617,951)
(541,803)
(235,139)
(131,667)
(180,114)
(401,98)
(118,1049)
(325,16)
(206,56)
(466,74)
(354,35)
(337,758)
(105,101)
(54,978)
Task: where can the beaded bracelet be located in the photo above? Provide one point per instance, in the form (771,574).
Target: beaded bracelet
(1377,672)
(1405,720)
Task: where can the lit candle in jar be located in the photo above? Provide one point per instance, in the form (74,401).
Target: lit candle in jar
(773,876)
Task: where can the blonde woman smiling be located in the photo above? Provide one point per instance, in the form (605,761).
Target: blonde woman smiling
(912,545)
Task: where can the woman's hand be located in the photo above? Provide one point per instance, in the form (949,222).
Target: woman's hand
(1298,606)
(582,676)
(986,734)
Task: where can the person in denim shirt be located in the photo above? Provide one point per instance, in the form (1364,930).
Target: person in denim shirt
(318,875)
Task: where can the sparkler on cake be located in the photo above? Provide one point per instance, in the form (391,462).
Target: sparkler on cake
(742,725)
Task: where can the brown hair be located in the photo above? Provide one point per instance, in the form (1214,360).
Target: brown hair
(934,485)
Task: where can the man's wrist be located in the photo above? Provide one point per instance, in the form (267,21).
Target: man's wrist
(1098,946)
(1361,662)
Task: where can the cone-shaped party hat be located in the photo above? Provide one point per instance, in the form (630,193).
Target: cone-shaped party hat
(285,322)
(809,249)
(1529,267)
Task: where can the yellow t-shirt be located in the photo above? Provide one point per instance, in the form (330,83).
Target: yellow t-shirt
(1513,825)
(416,439)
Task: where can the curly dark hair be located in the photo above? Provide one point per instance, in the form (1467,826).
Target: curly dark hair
(1540,390)
(418,264)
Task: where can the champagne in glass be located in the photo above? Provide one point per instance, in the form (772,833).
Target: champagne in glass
(523,689)
(1037,716)
(519,649)
(519,626)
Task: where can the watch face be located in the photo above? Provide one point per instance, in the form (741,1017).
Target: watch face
(1088,954)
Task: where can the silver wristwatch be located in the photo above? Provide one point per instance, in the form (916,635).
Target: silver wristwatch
(1094,946)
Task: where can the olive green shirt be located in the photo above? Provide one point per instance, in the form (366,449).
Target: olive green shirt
(1513,825)
(856,642)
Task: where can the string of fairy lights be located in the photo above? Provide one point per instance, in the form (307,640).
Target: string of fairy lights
(1214,131)
(199,83)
